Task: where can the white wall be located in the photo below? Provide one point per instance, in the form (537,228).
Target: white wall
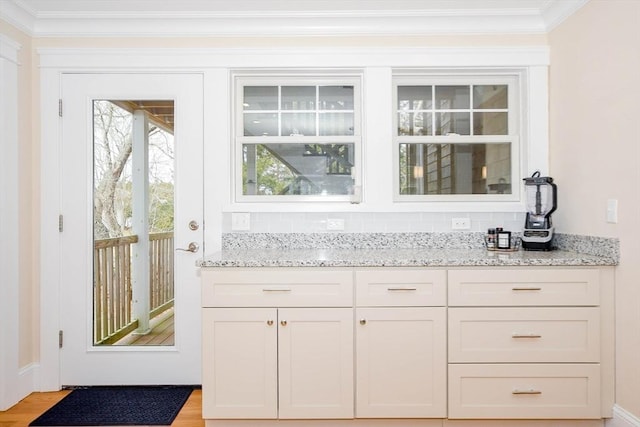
(595,153)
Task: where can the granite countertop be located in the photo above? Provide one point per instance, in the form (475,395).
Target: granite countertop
(405,257)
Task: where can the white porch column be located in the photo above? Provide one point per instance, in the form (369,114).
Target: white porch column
(140,226)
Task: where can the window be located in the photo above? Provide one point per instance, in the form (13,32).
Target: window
(297,138)
(456,138)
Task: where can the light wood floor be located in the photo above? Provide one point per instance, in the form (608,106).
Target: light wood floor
(32,406)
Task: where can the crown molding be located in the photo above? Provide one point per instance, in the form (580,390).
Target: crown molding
(9,49)
(558,11)
(182,23)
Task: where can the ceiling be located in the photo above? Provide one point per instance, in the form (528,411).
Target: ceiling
(108,18)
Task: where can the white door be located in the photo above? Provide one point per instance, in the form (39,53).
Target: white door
(177,360)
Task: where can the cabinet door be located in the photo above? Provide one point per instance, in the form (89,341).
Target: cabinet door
(401,363)
(239,363)
(315,362)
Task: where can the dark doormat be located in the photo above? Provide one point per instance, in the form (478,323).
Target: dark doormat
(117,406)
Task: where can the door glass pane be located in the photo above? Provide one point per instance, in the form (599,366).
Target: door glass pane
(297,169)
(455,168)
(133,222)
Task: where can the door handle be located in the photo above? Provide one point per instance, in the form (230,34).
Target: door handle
(193,247)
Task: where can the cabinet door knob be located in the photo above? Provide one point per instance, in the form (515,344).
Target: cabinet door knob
(283,322)
(269,322)
(363,321)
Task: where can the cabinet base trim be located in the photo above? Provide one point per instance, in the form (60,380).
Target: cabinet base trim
(412,423)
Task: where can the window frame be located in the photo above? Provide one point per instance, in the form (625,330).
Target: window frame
(469,78)
(314,78)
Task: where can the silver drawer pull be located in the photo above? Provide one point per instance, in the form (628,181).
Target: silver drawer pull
(530,391)
(276,290)
(516,335)
(401,289)
(526,289)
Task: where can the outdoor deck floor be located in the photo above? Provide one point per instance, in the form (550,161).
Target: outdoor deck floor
(162,332)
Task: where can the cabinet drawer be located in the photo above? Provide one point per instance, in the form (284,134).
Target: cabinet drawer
(524,391)
(400,287)
(524,334)
(522,287)
(258,287)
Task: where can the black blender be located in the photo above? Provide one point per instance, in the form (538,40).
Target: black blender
(541,199)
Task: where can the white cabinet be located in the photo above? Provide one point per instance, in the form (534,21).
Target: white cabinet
(407,346)
(527,343)
(401,344)
(280,362)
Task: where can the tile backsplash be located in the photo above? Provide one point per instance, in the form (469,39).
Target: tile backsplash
(374,222)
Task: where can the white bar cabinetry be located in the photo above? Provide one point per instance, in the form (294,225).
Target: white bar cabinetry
(306,346)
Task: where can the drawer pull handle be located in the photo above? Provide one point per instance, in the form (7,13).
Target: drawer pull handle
(401,289)
(526,289)
(516,335)
(530,391)
(276,290)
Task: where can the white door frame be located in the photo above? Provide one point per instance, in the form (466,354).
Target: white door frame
(54,63)
(12,386)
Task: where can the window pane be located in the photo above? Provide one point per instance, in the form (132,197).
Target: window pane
(298,98)
(455,169)
(298,124)
(414,124)
(260,98)
(260,124)
(336,97)
(414,98)
(490,96)
(447,123)
(490,123)
(452,97)
(336,124)
(297,169)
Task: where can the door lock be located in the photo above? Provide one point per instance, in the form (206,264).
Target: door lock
(193,225)
(193,247)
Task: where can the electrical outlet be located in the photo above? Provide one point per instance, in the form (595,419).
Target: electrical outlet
(335,224)
(461,223)
(240,221)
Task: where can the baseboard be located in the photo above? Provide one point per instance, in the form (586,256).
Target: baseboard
(28,380)
(622,418)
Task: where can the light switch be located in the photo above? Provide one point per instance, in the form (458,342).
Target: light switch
(612,211)
(240,221)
